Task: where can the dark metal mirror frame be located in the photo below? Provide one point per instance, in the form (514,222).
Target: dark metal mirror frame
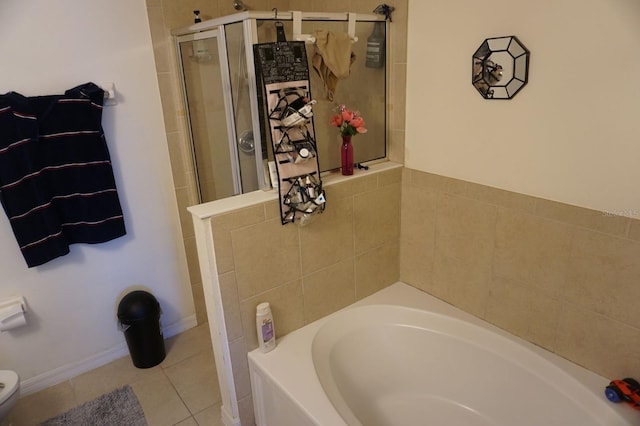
(500,67)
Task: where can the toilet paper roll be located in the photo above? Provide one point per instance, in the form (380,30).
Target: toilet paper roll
(11,317)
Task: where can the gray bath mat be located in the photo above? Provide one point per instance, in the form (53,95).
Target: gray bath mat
(117,408)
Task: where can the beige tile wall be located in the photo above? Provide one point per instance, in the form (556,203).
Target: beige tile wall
(165,15)
(348,252)
(563,277)
(177,139)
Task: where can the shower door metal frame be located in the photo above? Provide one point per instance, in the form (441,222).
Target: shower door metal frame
(249,21)
(219,35)
(250,38)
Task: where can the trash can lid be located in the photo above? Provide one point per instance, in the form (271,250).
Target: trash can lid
(137,305)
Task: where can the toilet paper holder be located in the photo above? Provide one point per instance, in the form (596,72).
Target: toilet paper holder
(12,313)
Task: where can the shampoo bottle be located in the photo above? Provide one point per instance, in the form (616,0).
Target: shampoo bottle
(264,324)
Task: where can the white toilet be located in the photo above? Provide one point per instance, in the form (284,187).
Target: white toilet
(9,391)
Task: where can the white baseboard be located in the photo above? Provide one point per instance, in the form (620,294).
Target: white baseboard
(69,371)
(180,326)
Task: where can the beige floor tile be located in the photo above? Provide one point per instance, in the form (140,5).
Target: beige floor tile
(159,400)
(187,344)
(195,379)
(40,406)
(188,422)
(104,379)
(189,362)
(211,416)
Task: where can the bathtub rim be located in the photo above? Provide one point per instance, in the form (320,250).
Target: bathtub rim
(367,318)
(306,392)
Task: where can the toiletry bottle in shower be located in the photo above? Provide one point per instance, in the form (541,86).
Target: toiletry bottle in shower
(200,50)
(376,46)
(264,324)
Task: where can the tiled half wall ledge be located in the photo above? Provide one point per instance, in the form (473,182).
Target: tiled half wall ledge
(346,253)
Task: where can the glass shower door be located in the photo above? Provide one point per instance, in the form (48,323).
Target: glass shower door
(209,114)
(249,147)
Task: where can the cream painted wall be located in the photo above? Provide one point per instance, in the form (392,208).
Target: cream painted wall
(571,135)
(48,47)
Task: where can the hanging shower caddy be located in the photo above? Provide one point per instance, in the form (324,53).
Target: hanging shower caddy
(282,67)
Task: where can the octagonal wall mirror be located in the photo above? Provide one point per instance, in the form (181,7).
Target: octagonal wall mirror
(500,67)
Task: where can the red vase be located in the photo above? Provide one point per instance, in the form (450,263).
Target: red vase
(346,155)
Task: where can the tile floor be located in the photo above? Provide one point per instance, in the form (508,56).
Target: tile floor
(183,390)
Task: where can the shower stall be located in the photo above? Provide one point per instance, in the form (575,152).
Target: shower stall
(230,141)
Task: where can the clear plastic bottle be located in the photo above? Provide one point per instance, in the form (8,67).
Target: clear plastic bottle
(264,324)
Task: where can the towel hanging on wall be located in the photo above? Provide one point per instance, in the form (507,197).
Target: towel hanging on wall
(56,180)
(332,59)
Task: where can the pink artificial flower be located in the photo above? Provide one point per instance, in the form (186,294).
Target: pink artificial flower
(357,122)
(347,115)
(350,123)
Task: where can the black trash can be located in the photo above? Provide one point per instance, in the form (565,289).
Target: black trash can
(139,317)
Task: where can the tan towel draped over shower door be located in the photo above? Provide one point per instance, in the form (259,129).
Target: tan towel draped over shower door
(332,58)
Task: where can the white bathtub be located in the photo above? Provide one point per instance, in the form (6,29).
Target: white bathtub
(402,357)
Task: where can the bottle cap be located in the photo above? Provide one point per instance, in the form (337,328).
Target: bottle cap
(263,308)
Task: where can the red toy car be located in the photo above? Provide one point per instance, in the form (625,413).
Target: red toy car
(627,390)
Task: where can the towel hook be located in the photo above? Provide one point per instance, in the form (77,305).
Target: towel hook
(297,29)
(308,38)
(352,26)
(280,35)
